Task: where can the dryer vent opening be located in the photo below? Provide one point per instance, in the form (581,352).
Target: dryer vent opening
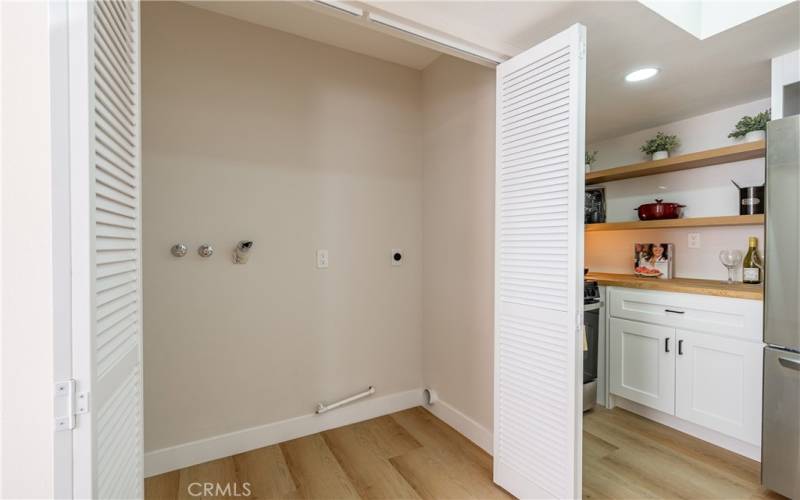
(430,396)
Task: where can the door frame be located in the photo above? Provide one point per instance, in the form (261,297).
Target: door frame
(63,237)
(72,233)
(80,56)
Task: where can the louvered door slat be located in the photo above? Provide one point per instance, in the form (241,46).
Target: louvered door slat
(539,253)
(114,59)
(557,82)
(110,22)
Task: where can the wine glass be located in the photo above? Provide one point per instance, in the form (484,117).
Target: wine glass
(731,260)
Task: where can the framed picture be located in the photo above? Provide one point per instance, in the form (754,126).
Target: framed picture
(653,260)
(595,206)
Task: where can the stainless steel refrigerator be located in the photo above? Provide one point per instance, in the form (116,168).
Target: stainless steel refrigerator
(780,447)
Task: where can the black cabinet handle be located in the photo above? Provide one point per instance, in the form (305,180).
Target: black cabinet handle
(674,311)
(666,344)
(680,347)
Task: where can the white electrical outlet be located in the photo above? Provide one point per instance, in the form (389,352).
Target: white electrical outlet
(397,256)
(694,240)
(322,259)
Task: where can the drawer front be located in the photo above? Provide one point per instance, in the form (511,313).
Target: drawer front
(737,318)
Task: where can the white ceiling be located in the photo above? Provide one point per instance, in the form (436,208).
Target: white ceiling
(697,76)
(299,19)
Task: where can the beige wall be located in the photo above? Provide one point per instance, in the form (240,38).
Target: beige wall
(251,133)
(458,229)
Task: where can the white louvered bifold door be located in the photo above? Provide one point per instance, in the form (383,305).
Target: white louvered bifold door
(108,327)
(539,269)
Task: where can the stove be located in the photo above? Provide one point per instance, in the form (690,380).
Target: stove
(591,323)
(591,292)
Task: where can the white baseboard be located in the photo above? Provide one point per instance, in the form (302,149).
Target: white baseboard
(224,445)
(471,429)
(748,450)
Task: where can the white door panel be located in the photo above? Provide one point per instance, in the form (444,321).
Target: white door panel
(539,268)
(107,293)
(643,363)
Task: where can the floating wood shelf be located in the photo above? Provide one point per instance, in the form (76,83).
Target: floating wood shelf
(738,152)
(727,220)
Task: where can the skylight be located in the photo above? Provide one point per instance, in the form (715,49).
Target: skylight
(706,18)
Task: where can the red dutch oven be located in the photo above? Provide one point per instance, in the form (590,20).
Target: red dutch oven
(660,210)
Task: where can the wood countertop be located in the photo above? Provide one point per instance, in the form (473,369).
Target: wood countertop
(682,285)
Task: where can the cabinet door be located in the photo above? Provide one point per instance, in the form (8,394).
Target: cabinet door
(643,363)
(718,384)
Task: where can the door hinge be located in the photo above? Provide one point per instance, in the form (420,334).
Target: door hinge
(73,403)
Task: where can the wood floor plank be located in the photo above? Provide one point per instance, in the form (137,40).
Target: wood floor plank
(595,448)
(685,444)
(316,470)
(600,481)
(219,473)
(429,476)
(668,476)
(162,487)
(387,437)
(440,437)
(363,460)
(458,459)
(267,473)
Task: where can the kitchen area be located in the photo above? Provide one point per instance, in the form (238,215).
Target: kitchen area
(692,278)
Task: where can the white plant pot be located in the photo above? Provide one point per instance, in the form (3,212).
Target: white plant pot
(755,135)
(588,168)
(660,155)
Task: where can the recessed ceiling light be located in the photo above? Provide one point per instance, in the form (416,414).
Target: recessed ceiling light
(641,74)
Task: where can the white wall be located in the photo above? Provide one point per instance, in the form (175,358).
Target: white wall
(26,345)
(458,242)
(785,71)
(705,192)
(251,133)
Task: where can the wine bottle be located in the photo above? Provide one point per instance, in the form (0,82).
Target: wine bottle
(752,263)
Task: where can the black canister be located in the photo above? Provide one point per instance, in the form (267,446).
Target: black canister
(751,199)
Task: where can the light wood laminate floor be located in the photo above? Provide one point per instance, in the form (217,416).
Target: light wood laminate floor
(412,454)
(627,456)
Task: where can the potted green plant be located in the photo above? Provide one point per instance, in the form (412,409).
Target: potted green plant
(753,128)
(660,146)
(590,158)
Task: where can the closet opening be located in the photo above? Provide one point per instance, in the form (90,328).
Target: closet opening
(299,171)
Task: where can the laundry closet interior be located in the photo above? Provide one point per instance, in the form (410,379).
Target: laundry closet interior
(338,204)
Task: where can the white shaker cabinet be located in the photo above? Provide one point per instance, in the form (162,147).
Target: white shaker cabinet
(694,357)
(643,363)
(718,384)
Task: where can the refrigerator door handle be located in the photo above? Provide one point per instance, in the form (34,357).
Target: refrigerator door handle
(789,363)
